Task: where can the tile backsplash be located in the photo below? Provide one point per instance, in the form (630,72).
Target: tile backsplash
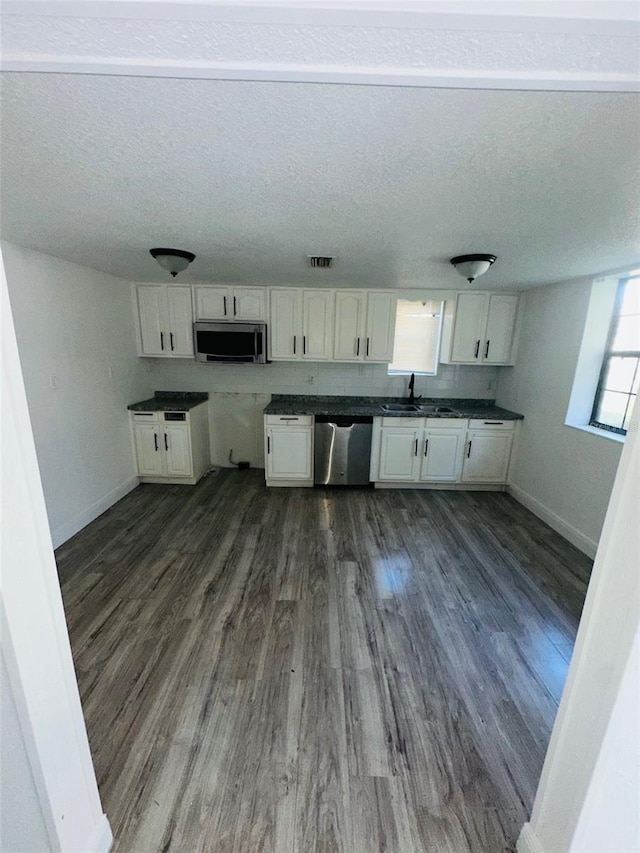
(318,378)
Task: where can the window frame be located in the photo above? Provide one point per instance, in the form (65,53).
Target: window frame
(441,302)
(608,354)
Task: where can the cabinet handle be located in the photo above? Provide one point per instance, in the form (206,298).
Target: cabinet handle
(415,452)
(288,419)
(234,306)
(166,443)
(304,345)
(224,305)
(426,446)
(162,341)
(294,344)
(171,340)
(268,445)
(469,449)
(493,423)
(155,441)
(357,346)
(477,348)
(367,346)
(486,350)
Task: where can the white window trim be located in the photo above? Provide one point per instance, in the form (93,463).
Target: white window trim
(589,364)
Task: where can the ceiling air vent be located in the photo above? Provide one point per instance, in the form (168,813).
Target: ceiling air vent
(320,262)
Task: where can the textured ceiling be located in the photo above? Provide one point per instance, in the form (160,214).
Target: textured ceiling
(254,176)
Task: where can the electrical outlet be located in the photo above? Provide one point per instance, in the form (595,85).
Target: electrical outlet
(311,379)
(53,381)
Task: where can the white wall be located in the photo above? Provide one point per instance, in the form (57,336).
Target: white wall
(587,799)
(41,711)
(75,332)
(239,393)
(22,825)
(563,474)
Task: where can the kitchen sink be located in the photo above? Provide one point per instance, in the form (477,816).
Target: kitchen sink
(435,410)
(399,407)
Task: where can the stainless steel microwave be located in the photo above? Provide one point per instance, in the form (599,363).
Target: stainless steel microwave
(233,343)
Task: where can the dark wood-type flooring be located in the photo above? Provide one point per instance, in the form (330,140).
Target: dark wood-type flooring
(319,670)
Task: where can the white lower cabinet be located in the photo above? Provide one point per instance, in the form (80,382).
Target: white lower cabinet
(288,441)
(441,451)
(399,454)
(171,447)
(486,457)
(441,455)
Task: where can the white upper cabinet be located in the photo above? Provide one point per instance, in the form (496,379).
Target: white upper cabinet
(231,303)
(349,326)
(364,325)
(500,330)
(381,326)
(317,324)
(165,319)
(479,328)
(301,324)
(180,320)
(285,329)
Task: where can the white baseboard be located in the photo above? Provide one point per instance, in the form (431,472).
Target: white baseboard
(66,531)
(101,838)
(571,533)
(528,841)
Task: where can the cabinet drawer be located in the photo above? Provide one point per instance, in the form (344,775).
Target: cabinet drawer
(292,420)
(477,423)
(409,423)
(144,417)
(446,423)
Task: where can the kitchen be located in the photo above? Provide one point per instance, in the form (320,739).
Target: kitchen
(75,285)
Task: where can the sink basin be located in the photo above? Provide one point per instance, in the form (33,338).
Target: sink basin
(399,407)
(436,410)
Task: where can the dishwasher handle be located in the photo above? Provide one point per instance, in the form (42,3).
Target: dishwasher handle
(344,421)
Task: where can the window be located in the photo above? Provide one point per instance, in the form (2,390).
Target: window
(620,373)
(417,340)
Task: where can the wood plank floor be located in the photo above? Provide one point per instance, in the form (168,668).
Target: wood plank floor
(319,670)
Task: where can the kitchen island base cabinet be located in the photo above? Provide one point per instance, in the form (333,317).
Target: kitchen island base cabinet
(171,447)
(288,450)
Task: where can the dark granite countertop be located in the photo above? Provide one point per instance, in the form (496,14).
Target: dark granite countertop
(170,401)
(299,404)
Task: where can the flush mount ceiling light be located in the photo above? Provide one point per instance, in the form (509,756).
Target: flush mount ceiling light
(471,266)
(173,260)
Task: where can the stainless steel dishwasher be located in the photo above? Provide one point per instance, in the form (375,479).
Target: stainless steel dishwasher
(342,450)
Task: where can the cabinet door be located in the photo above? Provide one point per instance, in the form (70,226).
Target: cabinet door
(501,321)
(486,457)
(441,455)
(152,314)
(317,324)
(381,321)
(285,328)
(398,454)
(469,327)
(180,320)
(148,450)
(248,303)
(289,453)
(177,447)
(213,303)
(350,307)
